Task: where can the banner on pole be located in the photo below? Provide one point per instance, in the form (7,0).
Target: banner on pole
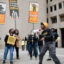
(2,18)
(2,12)
(33,14)
(13,7)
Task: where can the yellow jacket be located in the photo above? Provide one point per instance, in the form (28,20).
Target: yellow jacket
(22,43)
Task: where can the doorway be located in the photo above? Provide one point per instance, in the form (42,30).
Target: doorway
(62,36)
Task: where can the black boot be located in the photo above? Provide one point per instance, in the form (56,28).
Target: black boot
(40,63)
(36,57)
(3,62)
(30,58)
(11,62)
(18,58)
(49,59)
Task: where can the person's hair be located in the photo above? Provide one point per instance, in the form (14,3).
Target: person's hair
(53,29)
(10,31)
(42,23)
(16,31)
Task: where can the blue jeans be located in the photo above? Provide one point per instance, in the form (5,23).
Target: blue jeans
(33,48)
(6,52)
(28,47)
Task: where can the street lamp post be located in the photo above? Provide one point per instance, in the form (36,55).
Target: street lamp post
(33,26)
(14,16)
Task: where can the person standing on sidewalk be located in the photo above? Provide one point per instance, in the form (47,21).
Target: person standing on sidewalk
(16,32)
(35,45)
(23,44)
(30,41)
(55,35)
(49,44)
(40,43)
(9,44)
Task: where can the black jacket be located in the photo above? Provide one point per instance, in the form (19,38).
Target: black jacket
(55,35)
(40,43)
(35,39)
(30,38)
(48,36)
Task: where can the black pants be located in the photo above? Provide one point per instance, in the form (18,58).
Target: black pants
(17,52)
(23,47)
(40,48)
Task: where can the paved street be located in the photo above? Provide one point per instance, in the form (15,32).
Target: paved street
(24,57)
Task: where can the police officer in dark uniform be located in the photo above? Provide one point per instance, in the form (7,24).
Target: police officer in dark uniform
(49,44)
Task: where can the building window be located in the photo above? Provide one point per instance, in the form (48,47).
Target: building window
(60,5)
(63,3)
(62,17)
(54,19)
(55,8)
(47,20)
(50,0)
(47,10)
(47,1)
(51,8)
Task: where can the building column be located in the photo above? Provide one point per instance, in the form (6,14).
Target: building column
(59,42)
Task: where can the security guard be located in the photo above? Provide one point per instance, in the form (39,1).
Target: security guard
(49,45)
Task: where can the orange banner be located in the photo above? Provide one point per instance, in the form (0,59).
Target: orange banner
(2,12)
(2,18)
(33,14)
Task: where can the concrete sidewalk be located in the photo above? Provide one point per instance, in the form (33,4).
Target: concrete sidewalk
(25,59)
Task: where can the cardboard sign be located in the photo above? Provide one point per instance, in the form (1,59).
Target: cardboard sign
(11,40)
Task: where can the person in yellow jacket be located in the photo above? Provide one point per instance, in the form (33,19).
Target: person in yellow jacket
(23,44)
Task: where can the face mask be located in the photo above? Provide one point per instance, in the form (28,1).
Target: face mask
(11,34)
